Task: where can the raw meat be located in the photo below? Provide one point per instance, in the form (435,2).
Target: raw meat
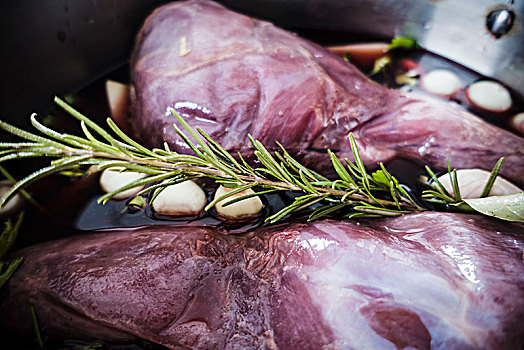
(233,75)
(427,280)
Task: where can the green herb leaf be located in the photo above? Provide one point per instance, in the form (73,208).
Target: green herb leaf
(403,42)
(8,269)
(380,177)
(36,328)
(325,210)
(380,64)
(509,207)
(277,172)
(492,178)
(229,194)
(8,236)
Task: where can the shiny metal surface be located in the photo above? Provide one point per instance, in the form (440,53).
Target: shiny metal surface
(56,47)
(59,46)
(500,21)
(455,29)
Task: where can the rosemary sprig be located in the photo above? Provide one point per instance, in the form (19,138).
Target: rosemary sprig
(354,194)
(437,193)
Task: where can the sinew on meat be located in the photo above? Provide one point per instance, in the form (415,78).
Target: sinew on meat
(233,75)
(427,280)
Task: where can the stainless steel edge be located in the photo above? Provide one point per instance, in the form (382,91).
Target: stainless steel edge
(455,29)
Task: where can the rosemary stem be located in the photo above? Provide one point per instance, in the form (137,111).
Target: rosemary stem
(185,169)
(378,194)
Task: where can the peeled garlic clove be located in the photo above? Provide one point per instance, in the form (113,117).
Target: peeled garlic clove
(517,122)
(14,205)
(489,95)
(472,182)
(114,178)
(118,100)
(183,199)
(240,210)
(441,82)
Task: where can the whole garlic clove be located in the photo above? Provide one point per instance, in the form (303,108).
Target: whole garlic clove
(441,82)
(246,208)
(14,205)
(119,101)
(517,122)
(489,96)
(182,199)
(113,178)
(472,182)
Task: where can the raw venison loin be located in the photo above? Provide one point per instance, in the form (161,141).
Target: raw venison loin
(420,281)
(233,75)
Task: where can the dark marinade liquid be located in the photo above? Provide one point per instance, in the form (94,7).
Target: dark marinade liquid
(71,203)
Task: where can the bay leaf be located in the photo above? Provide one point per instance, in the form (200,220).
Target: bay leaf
(509,207)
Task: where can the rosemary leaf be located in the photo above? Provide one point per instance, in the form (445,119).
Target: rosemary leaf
(296,166)
(268,161)
(137,183)
(440,187)
(129,140)
(159,187)
(27,135)
(218,148)
(249,195)
(19,155)
(66,163)
(325,183)
(354,170)
(76,114)
(53,134)
(229,194)
(95,143)
(393,194)
(285,211)
(8,236)
(246,167)
(359,163)
(325,210)
(36,328)
(7,272)
(356,215)
(128,167)
(188,141)
(380,211)
(492,178)
(306,182)
(456,188)
(19,145)
(340,169)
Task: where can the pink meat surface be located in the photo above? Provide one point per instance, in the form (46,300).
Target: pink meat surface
(427,280)
(233,75)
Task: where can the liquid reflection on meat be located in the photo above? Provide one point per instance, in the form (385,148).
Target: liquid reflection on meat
(445,281)
(233,75)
